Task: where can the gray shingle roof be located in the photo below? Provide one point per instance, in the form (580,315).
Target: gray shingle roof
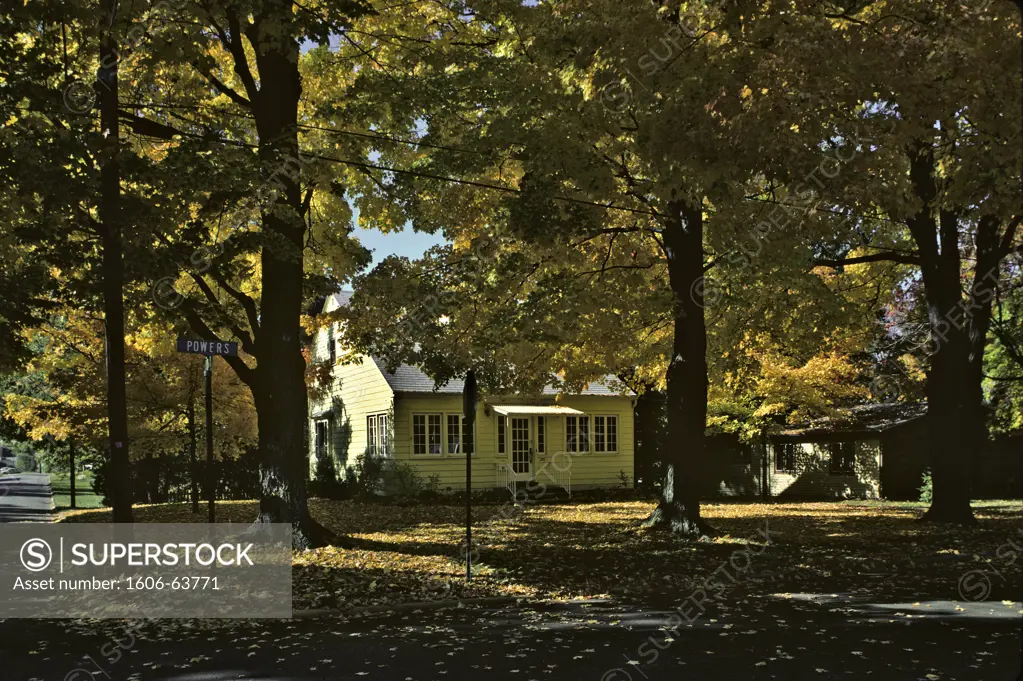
(870,418)
(342,298)
(409,379)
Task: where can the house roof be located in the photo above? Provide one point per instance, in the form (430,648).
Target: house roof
(538,409)
(409,379)
(862,419)
(342,298)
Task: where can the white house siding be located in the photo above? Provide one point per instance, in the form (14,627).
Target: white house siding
(357,390)
(812,478)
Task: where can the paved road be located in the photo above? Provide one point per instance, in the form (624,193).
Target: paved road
(25,497)
(756,639)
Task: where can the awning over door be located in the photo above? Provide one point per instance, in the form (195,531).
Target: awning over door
(538,409)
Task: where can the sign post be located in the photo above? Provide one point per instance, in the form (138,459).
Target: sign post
(211,478)
(211,349)
(469,399)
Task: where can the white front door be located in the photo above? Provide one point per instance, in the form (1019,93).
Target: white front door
(521,452)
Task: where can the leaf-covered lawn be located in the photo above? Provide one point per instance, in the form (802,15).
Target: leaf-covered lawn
(413,553)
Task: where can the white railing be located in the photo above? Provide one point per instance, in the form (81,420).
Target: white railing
(558,473)
(505,477)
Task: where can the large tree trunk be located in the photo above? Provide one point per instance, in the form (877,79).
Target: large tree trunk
(678,510)
(954,396)
(279,385)
(113,271)
(955,429)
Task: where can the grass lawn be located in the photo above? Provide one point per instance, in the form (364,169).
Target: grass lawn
(85,497)
(412,553)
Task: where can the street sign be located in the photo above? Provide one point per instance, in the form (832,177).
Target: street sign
(211,349)
(207,347)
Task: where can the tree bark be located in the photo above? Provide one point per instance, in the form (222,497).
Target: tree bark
(678,510)
(113,271)
(279,384)
(71,467)
(954,397)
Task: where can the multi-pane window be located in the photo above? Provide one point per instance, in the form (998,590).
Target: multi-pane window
(785,458)
(541,434)
(502,424)
(454,433)
(331,345)
(843,458)
(605,433)
(322,434)
(577,433)
(376,429)
(426,434)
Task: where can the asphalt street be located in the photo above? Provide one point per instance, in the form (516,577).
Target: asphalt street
(793,637)
(25,497)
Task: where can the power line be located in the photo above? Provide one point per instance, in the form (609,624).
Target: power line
(304,126)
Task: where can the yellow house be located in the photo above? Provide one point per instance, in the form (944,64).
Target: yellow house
(574,441)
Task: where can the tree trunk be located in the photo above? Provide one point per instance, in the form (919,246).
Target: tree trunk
(113,271)
(955,431)
(678,510)
(279,385)
(954,397)
(71,467)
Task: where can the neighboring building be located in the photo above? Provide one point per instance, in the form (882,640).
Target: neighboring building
(572,441)
(866,452)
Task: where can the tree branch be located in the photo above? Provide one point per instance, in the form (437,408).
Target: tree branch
(242,335)
(224,88)
(904,258)
(246,301)
(245,373)
(237,49)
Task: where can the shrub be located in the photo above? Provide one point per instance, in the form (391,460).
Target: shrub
(365,475)
(403,479)
(325,482)
(26,462)
(927,488)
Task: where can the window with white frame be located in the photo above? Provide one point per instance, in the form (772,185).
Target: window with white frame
(541,434)
(454,434)
(577,433)
(426,434)
(322,438)
(331,345)
(376,433)
(605,433)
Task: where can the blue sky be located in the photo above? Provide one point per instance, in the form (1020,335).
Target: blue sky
(407,242)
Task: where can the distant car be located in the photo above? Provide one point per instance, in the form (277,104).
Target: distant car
(7,470)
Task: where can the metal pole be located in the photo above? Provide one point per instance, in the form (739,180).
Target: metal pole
(469,443)
(211,478)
